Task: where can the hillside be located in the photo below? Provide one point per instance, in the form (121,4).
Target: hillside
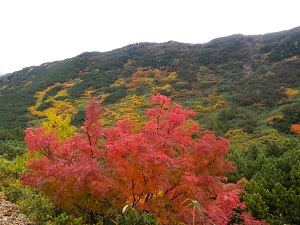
(234,82)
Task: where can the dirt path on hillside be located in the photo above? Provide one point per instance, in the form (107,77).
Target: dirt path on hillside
(10,213)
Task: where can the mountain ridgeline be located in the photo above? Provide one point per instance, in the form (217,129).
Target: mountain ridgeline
(245,83)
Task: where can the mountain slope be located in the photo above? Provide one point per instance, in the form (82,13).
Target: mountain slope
(234,82)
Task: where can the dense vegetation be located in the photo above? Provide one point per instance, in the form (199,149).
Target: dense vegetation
(274,172)
(244,88)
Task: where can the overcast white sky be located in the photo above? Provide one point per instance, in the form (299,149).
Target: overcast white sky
(38,31)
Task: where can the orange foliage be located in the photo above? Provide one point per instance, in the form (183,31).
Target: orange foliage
(28,83)
(276,117)
(293,58)
(271,119)
(147,76)
(83,72)
(3,87)
(295,128)
(140,77)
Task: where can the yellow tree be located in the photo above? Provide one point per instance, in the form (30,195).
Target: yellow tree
(56,124)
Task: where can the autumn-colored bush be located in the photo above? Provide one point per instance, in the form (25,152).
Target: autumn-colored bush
(295,128)
(98,171)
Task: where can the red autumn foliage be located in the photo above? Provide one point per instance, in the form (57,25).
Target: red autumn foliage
(153,170)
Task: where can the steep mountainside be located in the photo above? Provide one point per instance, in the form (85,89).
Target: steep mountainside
(235,82)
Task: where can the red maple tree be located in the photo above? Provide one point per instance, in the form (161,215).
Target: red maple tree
(155,169)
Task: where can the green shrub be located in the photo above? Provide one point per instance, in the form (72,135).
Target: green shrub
(64,219)
(10,149)
(274,173)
